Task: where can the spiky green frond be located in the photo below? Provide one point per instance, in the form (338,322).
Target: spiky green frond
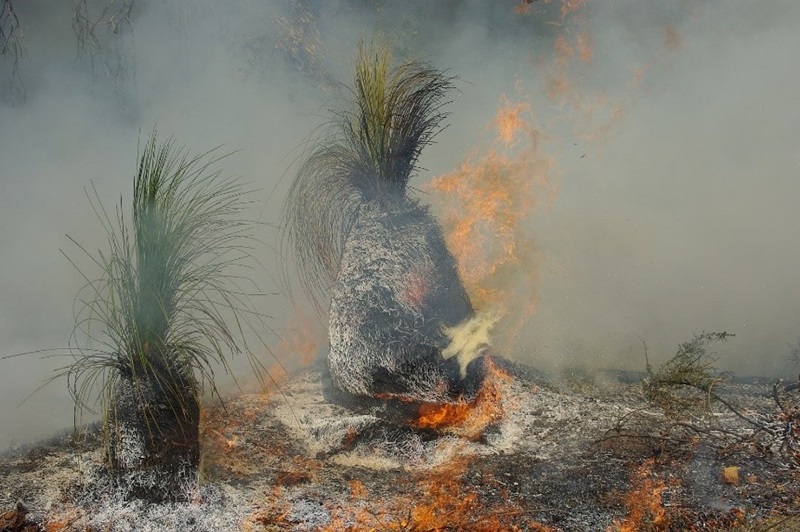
(368,154)
(397,113)
(169,305)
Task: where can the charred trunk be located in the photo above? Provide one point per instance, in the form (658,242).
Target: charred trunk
(397,290)
(153,434)
(397,302)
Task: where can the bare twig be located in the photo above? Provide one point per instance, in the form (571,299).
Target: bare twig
(675,386)
(113,24)
(685,389)
(12,45)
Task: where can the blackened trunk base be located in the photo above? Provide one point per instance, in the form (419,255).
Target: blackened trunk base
(153,437)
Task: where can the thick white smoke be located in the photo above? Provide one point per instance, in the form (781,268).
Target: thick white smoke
(676,139)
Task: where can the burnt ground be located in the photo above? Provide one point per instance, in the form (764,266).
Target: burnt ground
(587,453)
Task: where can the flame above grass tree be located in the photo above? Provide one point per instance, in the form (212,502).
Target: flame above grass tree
(157,319)
(359,237)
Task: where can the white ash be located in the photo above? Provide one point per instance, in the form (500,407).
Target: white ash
(396,292)
(553,428)
(308,514)
(209,509)
(129,444)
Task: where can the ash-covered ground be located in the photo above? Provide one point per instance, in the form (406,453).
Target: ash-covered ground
(588,453)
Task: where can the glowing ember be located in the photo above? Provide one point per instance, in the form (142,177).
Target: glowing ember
(468,419)
(230,442)
(417,288)
(64,520)
(645,508)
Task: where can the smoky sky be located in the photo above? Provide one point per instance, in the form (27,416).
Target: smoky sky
(676,143)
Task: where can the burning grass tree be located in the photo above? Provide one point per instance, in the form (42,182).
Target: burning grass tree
(159,312)
(396,300)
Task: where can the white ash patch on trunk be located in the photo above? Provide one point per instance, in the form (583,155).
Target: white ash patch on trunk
(396,291)
(129,444)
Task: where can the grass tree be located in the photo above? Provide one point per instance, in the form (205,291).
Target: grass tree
(360,239)
(168,307)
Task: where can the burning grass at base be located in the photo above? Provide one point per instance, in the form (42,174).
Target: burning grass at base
(644,501)
(468,419)
(441,499)
(297,461)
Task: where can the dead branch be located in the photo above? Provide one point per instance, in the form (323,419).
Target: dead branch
(786,422)
(12,46)
(102,38)
(685,389)
(687,381)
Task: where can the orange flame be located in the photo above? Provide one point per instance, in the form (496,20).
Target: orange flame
(299,345)
(563,50)
(64,519)
(230,442)
(567,6)
(357,489)
(523,7)
(440,500)
(645,507)
(571,6)
(671,39)
(584,44)
(303,340)
(486,203)
(468,419)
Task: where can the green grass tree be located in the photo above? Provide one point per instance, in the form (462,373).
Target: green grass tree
(169,307)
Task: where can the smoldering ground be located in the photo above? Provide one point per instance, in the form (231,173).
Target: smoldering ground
(673,129)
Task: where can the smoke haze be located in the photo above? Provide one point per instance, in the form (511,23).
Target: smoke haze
(673,127)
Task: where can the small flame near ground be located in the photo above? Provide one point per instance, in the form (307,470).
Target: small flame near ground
(301,342)
(644,503)
(439,500)
(468,418)
(299,346)
(647,510)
